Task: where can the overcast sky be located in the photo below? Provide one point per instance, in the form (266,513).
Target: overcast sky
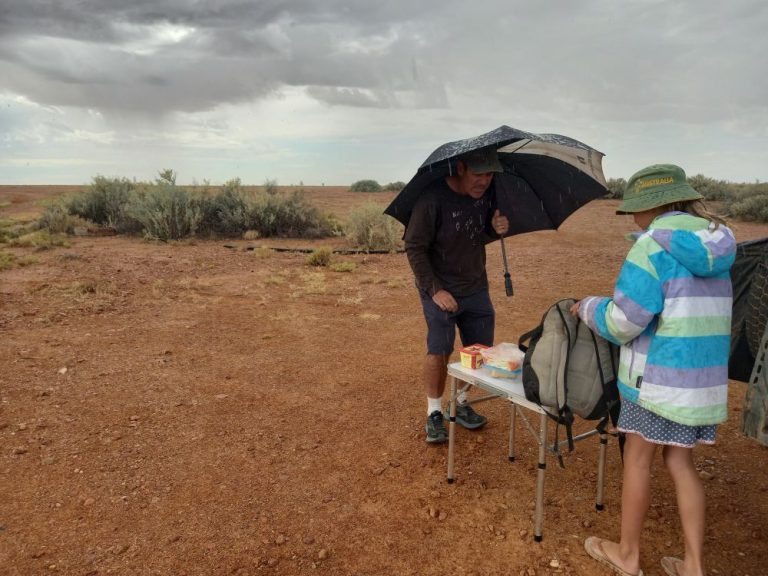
(329,92)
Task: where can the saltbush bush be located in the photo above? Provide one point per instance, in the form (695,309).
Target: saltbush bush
(749,202)
(228,212)
(369,228)
(166,211)
(710,188)
(56,219)
(616,187)
(287,216)
(394,186)
(105,203)
(365,186)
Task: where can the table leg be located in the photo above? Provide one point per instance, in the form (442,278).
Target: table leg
(512,416)
(601,471)
(451,427)
(537,533)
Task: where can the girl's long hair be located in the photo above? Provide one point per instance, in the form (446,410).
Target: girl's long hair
(698,208)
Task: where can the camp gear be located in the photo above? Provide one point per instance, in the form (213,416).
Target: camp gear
(570,371)
(435,428)
(468,418)
(749,275)
(546,178)
(655,186)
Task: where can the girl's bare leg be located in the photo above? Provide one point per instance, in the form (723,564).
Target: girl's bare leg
(635,499)
(691,504)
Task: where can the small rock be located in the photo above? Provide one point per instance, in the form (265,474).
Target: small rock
(280,539)
(705,475)
(63,370)
(323,554)
(88,502)
(554,563)
(308,539)
(433,512)
(19,450)
(22,426)
(587,523)
(272,562)
(442,516)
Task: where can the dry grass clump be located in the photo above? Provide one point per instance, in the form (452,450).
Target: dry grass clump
(320,257)
(39,240)
(342,266)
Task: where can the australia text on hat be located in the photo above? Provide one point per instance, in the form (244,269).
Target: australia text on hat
(654,182)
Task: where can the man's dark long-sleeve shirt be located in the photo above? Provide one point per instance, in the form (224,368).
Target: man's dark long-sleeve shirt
(445,240)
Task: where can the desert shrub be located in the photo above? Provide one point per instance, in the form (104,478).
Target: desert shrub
(616,187)
(166,211)
(227,213)
(710,188)
(105,203)
(251,235)
(287,215)
(365,186)
(270,187)
(750,202)
(319,257)
(371,229)
(394,186)
(56,219)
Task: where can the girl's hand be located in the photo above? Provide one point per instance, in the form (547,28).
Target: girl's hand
(574,310)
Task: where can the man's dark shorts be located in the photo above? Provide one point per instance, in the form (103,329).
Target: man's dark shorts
(474,319)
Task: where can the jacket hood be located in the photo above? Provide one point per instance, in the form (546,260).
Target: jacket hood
(695,242)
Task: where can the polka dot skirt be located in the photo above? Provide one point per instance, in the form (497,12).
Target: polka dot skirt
(658,430)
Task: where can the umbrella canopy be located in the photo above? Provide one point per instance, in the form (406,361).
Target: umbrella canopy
(546,177)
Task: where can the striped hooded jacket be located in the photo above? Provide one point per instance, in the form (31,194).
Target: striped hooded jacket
(671,314)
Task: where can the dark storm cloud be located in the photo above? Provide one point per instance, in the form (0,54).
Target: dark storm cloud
(635,60)
(162,56)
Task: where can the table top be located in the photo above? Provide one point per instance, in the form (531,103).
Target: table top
(510,388)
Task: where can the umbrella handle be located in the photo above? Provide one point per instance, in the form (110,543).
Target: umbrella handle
(507,278)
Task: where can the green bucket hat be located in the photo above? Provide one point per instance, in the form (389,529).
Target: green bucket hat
(654,186)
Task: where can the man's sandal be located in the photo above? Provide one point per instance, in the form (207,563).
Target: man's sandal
(594,547)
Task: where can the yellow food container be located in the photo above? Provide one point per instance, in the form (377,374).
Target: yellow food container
(471,356)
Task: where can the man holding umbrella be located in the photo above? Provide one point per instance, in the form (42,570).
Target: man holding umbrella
(445,240)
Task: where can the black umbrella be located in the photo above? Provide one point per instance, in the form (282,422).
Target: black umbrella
(546,178)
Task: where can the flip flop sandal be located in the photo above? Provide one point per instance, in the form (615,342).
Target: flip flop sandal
(594,547)
(672,565)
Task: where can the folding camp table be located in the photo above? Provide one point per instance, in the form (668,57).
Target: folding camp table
(512,391)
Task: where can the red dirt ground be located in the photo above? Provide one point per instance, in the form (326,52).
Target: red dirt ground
(187,408)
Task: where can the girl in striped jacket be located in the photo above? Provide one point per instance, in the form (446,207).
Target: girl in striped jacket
(671,314)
